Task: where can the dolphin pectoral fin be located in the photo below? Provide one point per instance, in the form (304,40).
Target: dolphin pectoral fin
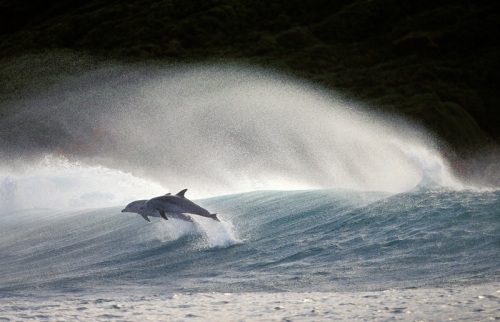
(146,217)
(162,214)
(167,194)
(214,217)
(181,193)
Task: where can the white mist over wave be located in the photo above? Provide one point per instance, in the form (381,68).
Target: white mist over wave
(56,183)
(215,130)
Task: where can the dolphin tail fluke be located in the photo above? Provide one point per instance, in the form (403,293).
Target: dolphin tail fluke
(162,214)
(214,217)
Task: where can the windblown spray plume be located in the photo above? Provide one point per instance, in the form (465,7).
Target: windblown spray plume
(216,129)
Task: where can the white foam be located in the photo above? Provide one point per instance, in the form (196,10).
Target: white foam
(173,229)
(56,183)
(469,302)
(434,169)
(218,234)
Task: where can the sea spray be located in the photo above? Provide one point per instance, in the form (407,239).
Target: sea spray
(214,129)
(57,183)
(218,234)
(167,231)
(207,232)
(435,172)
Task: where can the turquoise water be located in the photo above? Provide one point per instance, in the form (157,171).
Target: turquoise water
(326,240)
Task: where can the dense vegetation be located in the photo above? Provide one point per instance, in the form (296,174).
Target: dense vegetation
(434,61)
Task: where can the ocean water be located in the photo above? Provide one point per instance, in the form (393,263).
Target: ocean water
(269,243)
(327,211)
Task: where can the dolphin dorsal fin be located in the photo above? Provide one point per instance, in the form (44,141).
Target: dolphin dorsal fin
(168,194)
(181,193)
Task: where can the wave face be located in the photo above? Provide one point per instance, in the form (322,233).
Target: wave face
(328,240)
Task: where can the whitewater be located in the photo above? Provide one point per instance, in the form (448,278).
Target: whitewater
(328,210)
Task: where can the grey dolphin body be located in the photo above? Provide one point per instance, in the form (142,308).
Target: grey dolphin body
(135,207)
(176,204)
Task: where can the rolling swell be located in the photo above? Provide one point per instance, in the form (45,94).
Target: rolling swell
(326,240)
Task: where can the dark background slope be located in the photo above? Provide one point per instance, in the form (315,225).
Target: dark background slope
(435,62)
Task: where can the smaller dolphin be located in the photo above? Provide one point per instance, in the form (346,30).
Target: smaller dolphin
(135,207)
(176,204)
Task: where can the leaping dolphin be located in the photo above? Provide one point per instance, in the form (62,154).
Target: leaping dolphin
(176,204)
(135,207)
